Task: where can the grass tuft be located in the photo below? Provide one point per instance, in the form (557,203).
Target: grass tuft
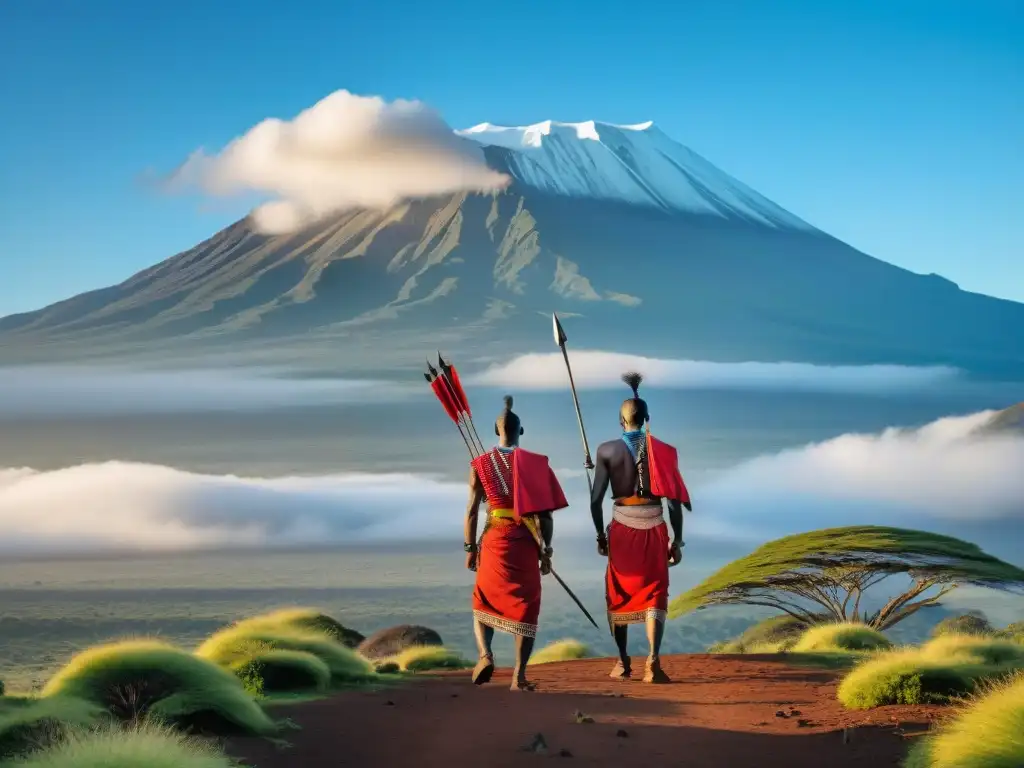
(908,677)
(987,733)
(971,623)
(27,723)
(561,650)
(134,679)
(846,636)
(975,648)
(239,643)
(425,658)
(773,635)
(148,745)
(304,620)
(275,671)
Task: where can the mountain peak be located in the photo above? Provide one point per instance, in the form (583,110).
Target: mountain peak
(525,136)
(637,164)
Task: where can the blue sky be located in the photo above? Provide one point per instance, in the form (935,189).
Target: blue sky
(894,126)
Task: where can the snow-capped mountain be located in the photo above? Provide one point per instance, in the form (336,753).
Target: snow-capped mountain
(631,163)
(642,245)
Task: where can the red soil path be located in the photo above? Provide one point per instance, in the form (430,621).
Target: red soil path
(719,712)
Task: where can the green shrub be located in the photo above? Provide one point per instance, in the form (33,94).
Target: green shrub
(908,677)
(846,636)
(561,650)
(276,671)
(385,667)
(239,643)
(970,623)
(27,724)
(425,658)
(305,620)
(2,689)
(987,733)
(772,635)
(147,745)
(133,679)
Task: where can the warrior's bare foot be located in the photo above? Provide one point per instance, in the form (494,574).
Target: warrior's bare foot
(654,673)
(621,671)
(522,685)
(483,670)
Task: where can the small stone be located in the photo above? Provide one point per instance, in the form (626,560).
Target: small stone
(622,734)
(539,745)
(780,713)
(803,723)
(581,718)
(794,711)
(389,703)
(564,753)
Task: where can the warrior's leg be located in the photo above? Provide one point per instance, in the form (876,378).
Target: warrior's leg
(485,667)
(622,669)
(524,647)
(655,633)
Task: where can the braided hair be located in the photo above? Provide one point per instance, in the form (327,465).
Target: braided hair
(634,410)
(509,422)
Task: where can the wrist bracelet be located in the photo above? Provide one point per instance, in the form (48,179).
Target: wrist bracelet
(470,548)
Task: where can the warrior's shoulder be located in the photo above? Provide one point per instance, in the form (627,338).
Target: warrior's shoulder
(610,447)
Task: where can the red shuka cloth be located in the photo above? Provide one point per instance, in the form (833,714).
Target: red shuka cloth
(663,463)
(535,489)
(637,578)
(507,592)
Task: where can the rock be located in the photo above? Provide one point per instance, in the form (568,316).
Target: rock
(780,713)
(581,718)
(803,723)
(564,753)
(622,734)
(394,640)
(539,745)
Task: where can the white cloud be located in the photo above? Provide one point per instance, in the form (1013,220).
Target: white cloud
(63,390)
(345,151)
(943,471)
(593,369)
(904,477)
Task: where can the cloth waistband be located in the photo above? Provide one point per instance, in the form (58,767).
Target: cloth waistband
(636,501)
(639,517)
(502,514)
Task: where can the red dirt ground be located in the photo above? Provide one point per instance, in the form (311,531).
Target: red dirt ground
(718,712)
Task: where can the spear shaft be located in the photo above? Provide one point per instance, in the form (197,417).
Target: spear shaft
(560,339)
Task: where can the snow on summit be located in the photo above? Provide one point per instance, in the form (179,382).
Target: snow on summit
(633,163)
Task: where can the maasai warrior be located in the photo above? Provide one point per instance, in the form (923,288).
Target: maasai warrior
(515,548)
(642,471)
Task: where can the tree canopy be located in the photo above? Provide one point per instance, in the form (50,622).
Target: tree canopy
(823,575)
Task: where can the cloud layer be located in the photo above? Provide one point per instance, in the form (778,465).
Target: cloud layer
(594,369)
(942,472)
(345,151)
(62,390)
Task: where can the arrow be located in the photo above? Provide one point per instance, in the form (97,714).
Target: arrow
(453,384)
(560,339)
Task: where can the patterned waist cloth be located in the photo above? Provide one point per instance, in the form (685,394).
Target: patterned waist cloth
(640,514)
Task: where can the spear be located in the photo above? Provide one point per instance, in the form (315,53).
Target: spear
(560,339)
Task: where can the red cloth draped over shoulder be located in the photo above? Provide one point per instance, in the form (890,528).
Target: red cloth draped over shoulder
(535,489)
(663,463)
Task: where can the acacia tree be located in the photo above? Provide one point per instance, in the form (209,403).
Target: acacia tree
(822,575)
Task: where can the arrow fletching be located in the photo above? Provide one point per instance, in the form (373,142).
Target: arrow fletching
(444,396)
(451,377)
